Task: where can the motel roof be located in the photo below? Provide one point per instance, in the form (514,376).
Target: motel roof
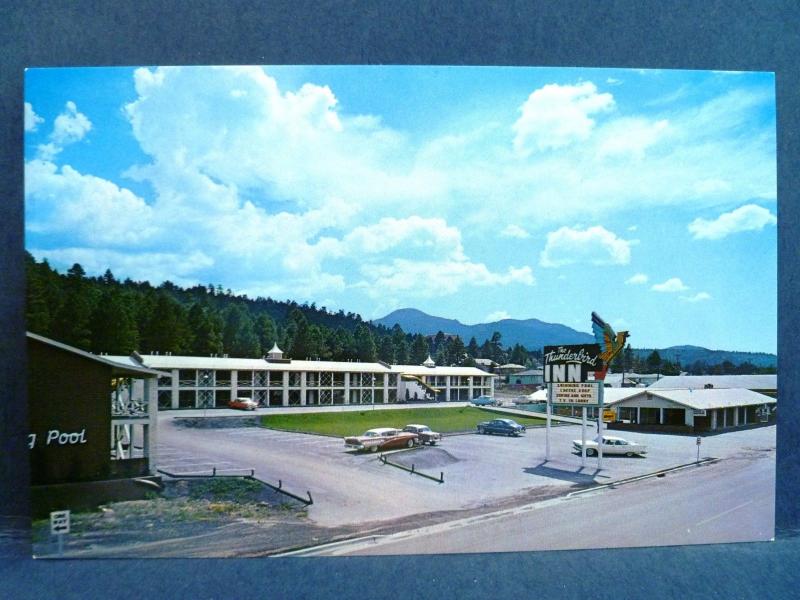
(697,399)
(168,362)
(747,382)
(120,368)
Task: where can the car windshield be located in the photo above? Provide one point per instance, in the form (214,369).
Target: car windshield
(423,429)
(370,434)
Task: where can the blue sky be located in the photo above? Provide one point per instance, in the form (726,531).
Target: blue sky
(469,193)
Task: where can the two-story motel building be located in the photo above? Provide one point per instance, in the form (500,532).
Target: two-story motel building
(208,382)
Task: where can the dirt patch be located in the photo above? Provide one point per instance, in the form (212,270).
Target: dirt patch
(201,519)
(425,458)
(216,422)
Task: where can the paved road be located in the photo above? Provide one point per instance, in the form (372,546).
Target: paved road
(728,501)
(481,472)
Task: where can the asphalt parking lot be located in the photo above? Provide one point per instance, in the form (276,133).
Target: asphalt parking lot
(479,470)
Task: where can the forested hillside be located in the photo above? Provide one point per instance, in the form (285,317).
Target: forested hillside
(106,315)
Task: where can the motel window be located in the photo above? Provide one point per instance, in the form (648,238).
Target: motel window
(261,378)
(223,378)
(205,378)
(187,377)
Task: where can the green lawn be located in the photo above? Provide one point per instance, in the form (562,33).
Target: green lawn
(341,424)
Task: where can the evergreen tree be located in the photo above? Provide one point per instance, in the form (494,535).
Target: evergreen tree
(238,334)
(419,350)
(400,345)
(266,332)
(456,351)
(207,339)
(39,312)
(114,328)
(386,349)
(365,345)
(167,329)
(654,361)
(472,348)
(73,320)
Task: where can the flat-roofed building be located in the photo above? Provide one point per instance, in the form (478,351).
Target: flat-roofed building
(208,382)
(702,409)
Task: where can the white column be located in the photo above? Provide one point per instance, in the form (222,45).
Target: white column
(285,390)
(347,388)
(385,388)
(150,431)
(660,416)
(724,417)
(638,415)
(175,388)
(713,419)
(735,416)
(471,387)
(447,379)
(303,388)
(234,384)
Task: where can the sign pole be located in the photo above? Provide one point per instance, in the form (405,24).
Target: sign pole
(600,429)
(549,409)
(583,436)
(698,448)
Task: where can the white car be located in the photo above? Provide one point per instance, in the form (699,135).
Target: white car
(611,445)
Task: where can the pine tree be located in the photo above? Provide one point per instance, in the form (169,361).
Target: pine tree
(419,350)
(472,348)
(266,332)
(400,345)
(114,328)
(365,345)
(386,349)
(73,320)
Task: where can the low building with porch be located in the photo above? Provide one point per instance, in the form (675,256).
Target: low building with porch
(90,436)
(689,410)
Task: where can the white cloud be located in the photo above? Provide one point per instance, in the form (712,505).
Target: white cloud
(633,228)
(434,235)
(515,231)
(497,315)
(613,81)
(430,279)
(594,245)
(671,285)
(69,127)
(638,279)
(555,116)
(32,120)
(180,268)
(699,297)
(630,136)
(749,217)
(95,210)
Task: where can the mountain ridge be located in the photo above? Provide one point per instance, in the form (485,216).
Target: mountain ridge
(534,334)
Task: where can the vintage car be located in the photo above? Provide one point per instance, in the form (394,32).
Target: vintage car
(501,427)
(611,445)
(243,404)
(382,438)
(424,434)
(484,401)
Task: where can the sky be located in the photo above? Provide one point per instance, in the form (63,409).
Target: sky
(472,193)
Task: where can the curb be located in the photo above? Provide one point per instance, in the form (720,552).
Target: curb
(707,460)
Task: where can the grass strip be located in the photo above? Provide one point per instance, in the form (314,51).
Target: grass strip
(443,420)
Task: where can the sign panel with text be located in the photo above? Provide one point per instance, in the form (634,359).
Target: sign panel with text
(581,394)
(572,363)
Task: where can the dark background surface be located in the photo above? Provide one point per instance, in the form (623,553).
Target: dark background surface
(730,35)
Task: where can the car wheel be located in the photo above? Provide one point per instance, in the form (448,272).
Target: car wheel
(410,443)
(433,443)
(591,452)
(481,430)
(373,449)
(629,454)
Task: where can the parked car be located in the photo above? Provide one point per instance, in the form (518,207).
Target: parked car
(484,401)
(424,434)
(243,403)
(611,445)
(382,438)
(501,427)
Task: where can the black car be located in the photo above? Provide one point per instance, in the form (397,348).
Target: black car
(501,426)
